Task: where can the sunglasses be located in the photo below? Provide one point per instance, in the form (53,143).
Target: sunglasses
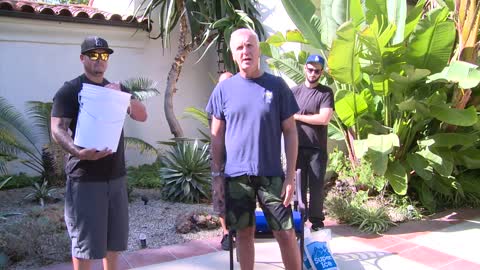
(94,56)
(314,70)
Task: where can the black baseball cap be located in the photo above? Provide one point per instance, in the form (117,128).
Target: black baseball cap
(94,43)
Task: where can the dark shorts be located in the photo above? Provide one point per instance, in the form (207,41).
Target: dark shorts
(96,214)
(241,202)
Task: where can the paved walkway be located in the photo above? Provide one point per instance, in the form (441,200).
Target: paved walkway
(448,240)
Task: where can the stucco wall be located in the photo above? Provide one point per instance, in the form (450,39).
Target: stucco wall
(37,57)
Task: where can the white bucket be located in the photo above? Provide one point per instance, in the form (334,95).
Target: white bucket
(101,117)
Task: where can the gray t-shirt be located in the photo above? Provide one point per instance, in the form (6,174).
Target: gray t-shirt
(253,111)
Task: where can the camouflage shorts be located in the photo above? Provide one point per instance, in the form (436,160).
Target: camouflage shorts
(241,202)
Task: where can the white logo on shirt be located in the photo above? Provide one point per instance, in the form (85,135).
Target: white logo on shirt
(268,96)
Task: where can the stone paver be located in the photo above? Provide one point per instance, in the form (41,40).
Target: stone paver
(445,241)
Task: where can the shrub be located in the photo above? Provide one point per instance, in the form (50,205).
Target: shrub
(358,210)
(21,180)
(144,176)
(370,219)
(186,172)
(41,193)
(41,234)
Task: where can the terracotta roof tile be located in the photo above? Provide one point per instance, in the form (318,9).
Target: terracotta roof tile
(84,13)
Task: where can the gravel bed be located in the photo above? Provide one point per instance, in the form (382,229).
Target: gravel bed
(156,219)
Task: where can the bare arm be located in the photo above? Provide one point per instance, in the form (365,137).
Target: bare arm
(290,135)
(59,127)
(322,118)
(137,111)
(217,144)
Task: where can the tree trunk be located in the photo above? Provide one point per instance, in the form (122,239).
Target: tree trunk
(184,50)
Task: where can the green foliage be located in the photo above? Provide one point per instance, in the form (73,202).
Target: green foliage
(208,22)
(4,182)
(202,117)
(354,209)
(144,176)
(396,118)
(371,220)
(363,172)
(21,180)
(41,193)
(141,88)
(185,172)
(42,228)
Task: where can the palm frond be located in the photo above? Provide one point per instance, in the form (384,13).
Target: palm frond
(4,182)
(141,88)
(40,113)
(198,114)
(140,145)
(13,120)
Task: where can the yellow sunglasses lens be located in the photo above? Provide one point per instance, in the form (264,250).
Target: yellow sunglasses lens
(94,56)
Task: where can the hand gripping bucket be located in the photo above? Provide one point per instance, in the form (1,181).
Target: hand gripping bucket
(101,117)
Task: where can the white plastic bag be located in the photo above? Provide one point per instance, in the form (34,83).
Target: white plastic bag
(317,254)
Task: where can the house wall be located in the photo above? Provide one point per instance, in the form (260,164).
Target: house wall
(38,56)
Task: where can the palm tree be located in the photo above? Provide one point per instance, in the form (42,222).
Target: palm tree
(205,22)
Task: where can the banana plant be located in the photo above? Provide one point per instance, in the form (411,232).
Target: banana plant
(379,61)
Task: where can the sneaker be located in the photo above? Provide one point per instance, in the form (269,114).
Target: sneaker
(317,226)
(225,243)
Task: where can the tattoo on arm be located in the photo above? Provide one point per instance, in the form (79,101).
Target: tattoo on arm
(60,134)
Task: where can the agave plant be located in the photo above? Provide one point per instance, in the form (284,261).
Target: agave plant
(41,193)
(186,172)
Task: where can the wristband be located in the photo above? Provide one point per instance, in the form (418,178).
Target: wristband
(215,174)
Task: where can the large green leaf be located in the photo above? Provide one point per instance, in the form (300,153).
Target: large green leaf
(376,10)
(470,158)
(413,17)
(449,140)
(397,177)
(375,41)
(295,36)
(356,12)
(440,160)
(276,39)
(459,117)
(350,107)
(467,75)
(397,13)
(432,42)
(377,148)
(302,13)
(343,60)
(420,165)
(333,14)
(335,133)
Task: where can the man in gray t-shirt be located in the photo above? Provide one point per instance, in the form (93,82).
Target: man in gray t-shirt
(316,109)
(250,112)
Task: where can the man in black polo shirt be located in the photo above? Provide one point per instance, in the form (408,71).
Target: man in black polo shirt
(96,202)
(316,108)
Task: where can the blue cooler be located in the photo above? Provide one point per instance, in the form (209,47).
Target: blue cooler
(262,225)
